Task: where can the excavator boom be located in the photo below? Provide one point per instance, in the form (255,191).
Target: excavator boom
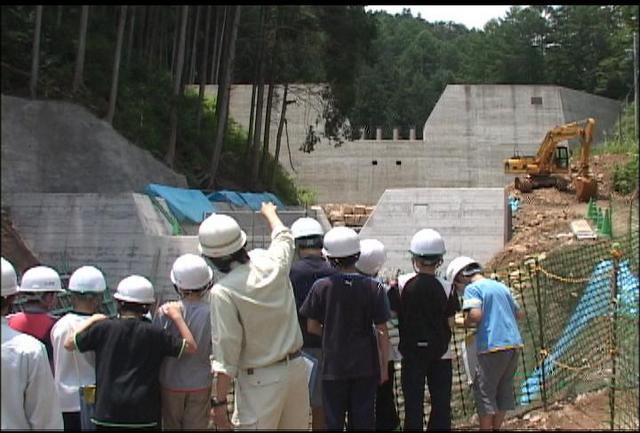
(551,161)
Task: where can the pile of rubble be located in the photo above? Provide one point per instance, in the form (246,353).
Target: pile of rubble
(350,215)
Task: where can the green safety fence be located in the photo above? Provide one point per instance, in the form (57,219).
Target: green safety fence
(580,332)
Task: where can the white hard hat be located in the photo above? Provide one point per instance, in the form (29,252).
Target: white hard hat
(341,242)
(190,272)
(372,256)
(87,279)
(456,265)
(136,289)
(40,279)
(427,242)
(219,236)
(9,279)
(303,227)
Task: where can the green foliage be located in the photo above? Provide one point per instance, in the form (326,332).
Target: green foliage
(625,177)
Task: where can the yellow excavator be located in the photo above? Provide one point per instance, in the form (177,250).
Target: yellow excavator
(550,166)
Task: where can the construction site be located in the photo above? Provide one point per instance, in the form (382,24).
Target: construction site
(76,192)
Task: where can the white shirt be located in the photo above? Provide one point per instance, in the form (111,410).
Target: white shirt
(28,395)
(402,280)
(72,368)
(253,311)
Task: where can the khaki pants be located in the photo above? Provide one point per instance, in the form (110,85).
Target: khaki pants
(273,398)
(185,410)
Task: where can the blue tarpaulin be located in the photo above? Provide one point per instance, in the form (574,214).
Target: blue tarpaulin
(227,197)
(186,204)
(252,200)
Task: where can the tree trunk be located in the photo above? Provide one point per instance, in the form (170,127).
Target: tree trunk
(267,132)
(116,65)
(35,54)
(252,117)
(194,46)
(220,32)
(255,148)
(149,40)
(224,90)
(82,42)
(59,17)
(132,23)
(174,53)
(177,85)
(276,155)
(140,31)
(203,68)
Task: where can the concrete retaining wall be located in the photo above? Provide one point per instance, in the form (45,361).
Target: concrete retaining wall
(472,222)
(471,130)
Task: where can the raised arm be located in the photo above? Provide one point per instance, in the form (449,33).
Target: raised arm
(173,310)
(269,211)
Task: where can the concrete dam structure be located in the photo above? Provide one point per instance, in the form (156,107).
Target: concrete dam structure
(471,130)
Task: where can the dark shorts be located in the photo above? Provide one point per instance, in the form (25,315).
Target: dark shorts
(493,381)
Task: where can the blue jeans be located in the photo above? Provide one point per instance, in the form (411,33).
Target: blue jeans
(438,375)
(355,396)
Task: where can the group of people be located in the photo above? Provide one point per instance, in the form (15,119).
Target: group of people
(298,328)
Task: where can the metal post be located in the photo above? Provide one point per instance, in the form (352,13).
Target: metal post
(541,335)
(615,255)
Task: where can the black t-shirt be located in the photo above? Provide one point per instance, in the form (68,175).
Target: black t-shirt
(128,357)
(303,274)
(423,319)
(348,306)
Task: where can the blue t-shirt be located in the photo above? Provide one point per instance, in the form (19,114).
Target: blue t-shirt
(498,328)
(348,305)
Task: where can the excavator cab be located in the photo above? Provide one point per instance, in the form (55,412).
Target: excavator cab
(561,158)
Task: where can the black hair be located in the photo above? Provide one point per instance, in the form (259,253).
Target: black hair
(133,307)
(223,264)
(311,242)
(428,259)
(471,269)
(344,262)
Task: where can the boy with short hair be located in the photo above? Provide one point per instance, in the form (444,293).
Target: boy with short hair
(129,351)
(347,309)
(186,381)
(75,370)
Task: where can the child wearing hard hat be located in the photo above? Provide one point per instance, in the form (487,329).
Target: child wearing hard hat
(129,351)
(27,383)
(40,287)
(372,257)
(186,381)
(76,371)
(343,308)
(489,305)
(310,266)
(427,311)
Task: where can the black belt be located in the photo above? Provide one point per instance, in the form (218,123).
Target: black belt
(288,357)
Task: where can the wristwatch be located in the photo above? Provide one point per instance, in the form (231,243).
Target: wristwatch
(217,403)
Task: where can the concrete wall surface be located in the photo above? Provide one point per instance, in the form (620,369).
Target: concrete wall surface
(472,222)
(52,146)
(471,130)
(121,234)
(67,231)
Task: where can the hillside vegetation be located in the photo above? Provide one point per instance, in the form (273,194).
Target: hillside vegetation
(383,71)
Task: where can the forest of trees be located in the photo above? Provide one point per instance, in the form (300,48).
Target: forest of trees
(130,65)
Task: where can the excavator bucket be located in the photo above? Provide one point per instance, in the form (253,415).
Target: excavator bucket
(586,188)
